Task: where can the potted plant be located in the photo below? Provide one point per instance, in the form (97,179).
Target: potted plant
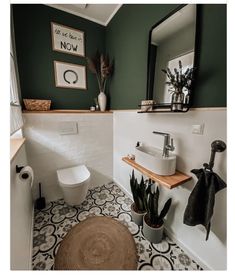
(153,223)
(103,69)
(177,82)
(138,190)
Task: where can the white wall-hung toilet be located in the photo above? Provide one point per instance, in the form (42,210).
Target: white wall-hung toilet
(74,182)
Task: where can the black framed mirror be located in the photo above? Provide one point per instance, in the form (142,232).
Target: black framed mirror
(171,40)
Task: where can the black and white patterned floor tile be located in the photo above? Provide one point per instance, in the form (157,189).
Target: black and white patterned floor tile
(52,224)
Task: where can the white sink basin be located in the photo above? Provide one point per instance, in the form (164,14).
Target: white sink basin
(151,158)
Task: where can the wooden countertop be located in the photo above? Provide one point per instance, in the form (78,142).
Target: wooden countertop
(69,111)
(170,182)
(15,145)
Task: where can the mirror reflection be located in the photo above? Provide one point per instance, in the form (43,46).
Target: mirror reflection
(172,40)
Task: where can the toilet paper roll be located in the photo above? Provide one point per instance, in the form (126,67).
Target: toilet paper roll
(26,173)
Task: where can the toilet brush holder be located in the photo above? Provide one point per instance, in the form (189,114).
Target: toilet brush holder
(40,202)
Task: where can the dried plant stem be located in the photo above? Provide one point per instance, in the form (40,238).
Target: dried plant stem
(102,68)
(98,82)
(104,84)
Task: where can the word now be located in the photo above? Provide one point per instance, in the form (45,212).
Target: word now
(68,46)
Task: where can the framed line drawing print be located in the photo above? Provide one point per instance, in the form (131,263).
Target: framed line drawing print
(68,75)
(67,40)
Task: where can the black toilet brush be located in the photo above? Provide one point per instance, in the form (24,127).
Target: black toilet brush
(40,202)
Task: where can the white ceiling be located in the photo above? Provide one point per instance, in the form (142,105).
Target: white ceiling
(99,13)
(174,23)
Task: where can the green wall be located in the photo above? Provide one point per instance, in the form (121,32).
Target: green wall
(210,86)
(35,55)
(127,40)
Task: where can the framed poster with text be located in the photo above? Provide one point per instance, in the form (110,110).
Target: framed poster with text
(67,40)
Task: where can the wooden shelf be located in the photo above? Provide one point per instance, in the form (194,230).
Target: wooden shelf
(69,111)
(15,145)
(168,181)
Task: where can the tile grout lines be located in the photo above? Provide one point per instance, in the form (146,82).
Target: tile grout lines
(52,224)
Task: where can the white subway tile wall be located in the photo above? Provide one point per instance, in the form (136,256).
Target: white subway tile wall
(48,150)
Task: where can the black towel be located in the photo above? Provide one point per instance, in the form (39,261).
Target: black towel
(201,201)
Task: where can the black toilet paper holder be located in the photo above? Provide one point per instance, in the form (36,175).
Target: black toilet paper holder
(19,168)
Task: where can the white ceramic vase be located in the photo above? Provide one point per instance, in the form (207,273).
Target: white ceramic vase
(102,100)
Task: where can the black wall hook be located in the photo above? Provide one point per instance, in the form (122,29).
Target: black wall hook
(19,168)
(216,146)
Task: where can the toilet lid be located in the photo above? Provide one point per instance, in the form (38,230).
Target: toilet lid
(73,175)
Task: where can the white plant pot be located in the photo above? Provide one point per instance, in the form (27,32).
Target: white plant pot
(137,217)
(154,235)
(102,100)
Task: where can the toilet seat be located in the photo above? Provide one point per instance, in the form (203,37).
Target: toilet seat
(73,176)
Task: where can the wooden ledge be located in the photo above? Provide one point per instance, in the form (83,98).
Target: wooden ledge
(69,111)
(168,181)
(15,145)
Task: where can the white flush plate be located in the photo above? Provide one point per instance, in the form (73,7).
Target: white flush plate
(68,128)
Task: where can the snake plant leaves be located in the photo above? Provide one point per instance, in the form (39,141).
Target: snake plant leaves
(137,190)
(165,209)
(152,203)
(155,203)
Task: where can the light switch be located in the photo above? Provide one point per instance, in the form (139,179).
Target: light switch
(68,128)
(198,129)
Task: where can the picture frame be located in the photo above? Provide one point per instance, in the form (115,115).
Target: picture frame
(68,75)
(67,40)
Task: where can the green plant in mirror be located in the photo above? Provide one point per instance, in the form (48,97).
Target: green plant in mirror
(179,80)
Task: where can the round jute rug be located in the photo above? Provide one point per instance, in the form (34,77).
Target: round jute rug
(97,243)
